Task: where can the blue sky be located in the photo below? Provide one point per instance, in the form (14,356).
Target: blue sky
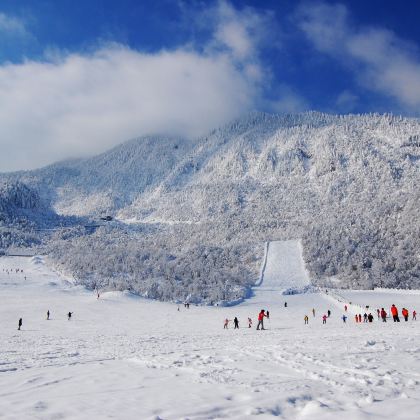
(77,77)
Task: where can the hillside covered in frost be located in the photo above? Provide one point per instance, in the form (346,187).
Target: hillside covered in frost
(347,186)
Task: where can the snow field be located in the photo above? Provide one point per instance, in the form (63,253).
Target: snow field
(130,358)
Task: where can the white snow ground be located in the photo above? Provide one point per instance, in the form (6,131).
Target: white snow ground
(124,357)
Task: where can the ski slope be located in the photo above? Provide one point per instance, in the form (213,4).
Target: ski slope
(124,357)
(283,268)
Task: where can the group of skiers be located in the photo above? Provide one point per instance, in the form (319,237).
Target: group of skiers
(382,314)
(16,270)
(262,314)
(20,322)
(368,317)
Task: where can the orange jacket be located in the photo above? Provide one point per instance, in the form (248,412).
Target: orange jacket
(261,316)
(394,310)
(404,312)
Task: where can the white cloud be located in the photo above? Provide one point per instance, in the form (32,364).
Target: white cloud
(241,32)
(85,104)
(382,62)
(346,101)
(12,26)
(80,104)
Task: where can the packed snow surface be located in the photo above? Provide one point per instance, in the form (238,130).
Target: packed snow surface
(125,357)
(285,266)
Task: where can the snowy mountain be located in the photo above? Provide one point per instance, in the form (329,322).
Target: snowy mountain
(269,165)
(106,182)
(347,186)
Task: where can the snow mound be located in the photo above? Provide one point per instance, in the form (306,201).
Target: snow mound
(37,260)
(300,290)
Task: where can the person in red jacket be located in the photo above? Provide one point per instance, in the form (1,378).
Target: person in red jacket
(383,315)
(394,312)
(356,318)
(261,316)
(414,316)
(404,313)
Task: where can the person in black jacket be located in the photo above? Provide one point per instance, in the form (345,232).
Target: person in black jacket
(235,323)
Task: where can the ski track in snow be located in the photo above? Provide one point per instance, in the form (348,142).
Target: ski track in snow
(129,358)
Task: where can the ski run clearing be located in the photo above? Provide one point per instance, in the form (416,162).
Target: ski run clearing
(123,357)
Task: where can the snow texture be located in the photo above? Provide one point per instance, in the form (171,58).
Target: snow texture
(121,356)
(285,267)
(346,186)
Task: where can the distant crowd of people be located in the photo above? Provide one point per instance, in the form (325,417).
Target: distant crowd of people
(9,271)
(359,318)
(382,314)
(15,270)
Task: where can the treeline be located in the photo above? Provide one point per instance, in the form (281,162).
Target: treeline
(112,260)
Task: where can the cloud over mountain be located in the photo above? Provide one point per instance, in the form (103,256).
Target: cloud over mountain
(72,104)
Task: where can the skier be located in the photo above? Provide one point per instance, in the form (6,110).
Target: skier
(249,322)
(360,317)
(236,323)
(329,313)
(379,313)
(394,312)
(226,324)
(370,317)
(20,323)
(69,315)
(365,317)
(285,304)
(383,315)
(324,319)
(313,312)
(414,316)
(261,316)
(404,313)
(344,318)
(356,318)
(306,318)
(48,314)
(345,308)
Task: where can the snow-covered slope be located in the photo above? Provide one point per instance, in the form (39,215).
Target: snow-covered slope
(346,186)
(233,167)
(285,267)
(129,358)
(283,271)
(110,181)
(302,160)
